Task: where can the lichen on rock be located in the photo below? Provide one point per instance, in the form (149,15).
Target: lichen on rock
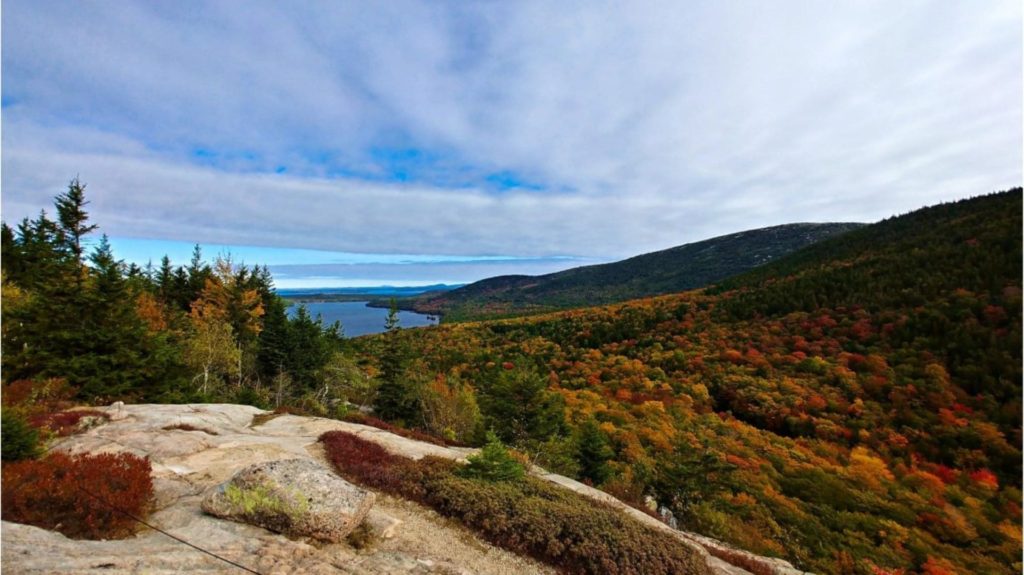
(296,497)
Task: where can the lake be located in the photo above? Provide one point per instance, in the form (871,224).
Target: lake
(357,319)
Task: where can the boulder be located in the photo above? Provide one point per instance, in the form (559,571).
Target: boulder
(381,525)
(117,411)
(296,497)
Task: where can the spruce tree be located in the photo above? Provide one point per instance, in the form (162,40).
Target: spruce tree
(73,218)
(396,400)
(594,452)
(164,281)
(493,463)
(519,407)
(272,353)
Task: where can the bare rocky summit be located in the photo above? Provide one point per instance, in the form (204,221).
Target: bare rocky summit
(196,449)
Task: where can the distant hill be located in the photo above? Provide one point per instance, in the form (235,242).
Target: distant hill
(673,270)
(360,293)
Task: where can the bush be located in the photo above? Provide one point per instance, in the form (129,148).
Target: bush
(78,495)
(529,516)
(570,531)
(493,463)
(18,439)
(371,465)
(363,419)
(64,423)
(44,395)
(255,397)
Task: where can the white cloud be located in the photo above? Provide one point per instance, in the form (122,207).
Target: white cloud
(650,124)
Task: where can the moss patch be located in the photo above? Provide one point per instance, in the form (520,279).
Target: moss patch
(267,504)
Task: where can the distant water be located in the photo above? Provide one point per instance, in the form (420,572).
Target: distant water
(357,319)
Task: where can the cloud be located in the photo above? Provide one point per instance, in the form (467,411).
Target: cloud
(521,129)
(330,275)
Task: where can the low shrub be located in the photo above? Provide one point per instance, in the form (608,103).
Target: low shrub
(18,439)
(52,394)
(570,531)
(363,419)
(188,427)
(78,495)
(369,464)
(64,423)
(528,516)
(255,397)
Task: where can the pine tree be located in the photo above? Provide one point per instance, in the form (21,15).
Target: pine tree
(594,452)
(272,353)
(493,463)
(309,349)
(72,217)
(164,281)
(197,274)
(519,406)
(396,400)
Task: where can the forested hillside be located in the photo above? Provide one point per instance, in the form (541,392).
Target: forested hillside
(668,271)
(854,408)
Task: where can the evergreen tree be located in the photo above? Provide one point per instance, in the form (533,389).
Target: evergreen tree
(181,292)
(493,463)
(593,453)
(164,281)
(198,272)
(18,439)
(519,407)
(310,346)
(115,346)
(41,255)
(272,353)
(73,218)
(10,251)
(396,399)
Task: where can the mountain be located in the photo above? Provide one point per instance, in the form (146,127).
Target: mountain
(853,407)
(673,270)
(359,293)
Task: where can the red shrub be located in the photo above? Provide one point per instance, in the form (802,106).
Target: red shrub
(416,434)
(370,464)
(78,495)
(189,427)
(52,394)
(65,423)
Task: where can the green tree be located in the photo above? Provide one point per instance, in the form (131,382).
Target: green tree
(116,352)
(89,334)
(309,347)
(341,376)
(693,474)
(594,452)
(397,400)
(519,407)
(73,218)
(18,439)
(211,354)
(272,351)
(493,463)
(164,281)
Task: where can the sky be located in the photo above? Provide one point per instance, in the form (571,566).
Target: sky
(408,143)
